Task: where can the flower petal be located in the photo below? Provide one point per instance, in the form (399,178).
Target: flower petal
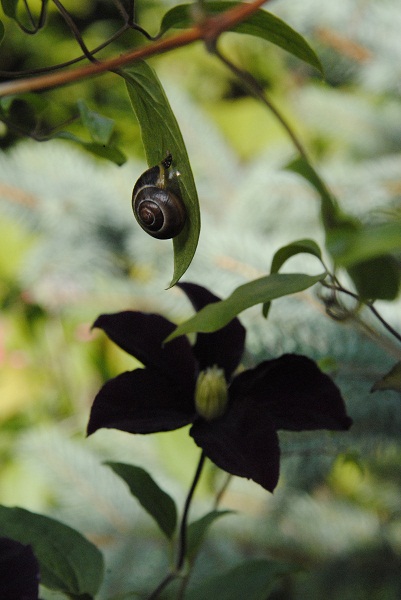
(243,442)
(142,335)
(296,393)
(141,401)
(224,347)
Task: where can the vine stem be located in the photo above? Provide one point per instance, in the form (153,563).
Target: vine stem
(163,584)
(256,89)
(184,520)
(222,491)
(385,324)
(71,24)
(208,30)
(182,540)
(339,288)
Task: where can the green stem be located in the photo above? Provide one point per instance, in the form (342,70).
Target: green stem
(183,527)
(74,29)
(337,287)
(163,584)
(182,540)
(222,490)
(378,316)
(257,90)
(185,579)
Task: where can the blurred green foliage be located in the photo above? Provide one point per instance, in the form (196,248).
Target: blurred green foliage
(71,250)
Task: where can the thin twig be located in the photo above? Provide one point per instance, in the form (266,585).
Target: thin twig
(68,63)
(121,9)
(339,288)
(30,16)
(208,30)
(127,25)
(257,90)
(35,133)
(389,328)
(162,585)
(35,26)
(131,11)
(77,34)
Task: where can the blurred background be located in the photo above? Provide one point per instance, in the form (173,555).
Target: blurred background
(71,249)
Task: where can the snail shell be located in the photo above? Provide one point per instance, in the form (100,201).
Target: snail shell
(157,203)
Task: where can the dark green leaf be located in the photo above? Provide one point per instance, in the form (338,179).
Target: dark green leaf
(364,253)
(214,316)
(332,216)
(68,562)
(99,127)
(1,30)
(283,254)
(351,247)
(261,24)
(5,104)
(160,135)
(300,246)
(10,8)
(198,529)
(253,580)
(154,500)
(35,101)
(108,152)
(377,278)
(390,381)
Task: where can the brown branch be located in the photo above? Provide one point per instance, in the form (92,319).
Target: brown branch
(209,30)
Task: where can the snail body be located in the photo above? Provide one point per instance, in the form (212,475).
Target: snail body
(157,203)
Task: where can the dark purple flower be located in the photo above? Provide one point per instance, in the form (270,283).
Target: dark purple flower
(240,436)
(19,571)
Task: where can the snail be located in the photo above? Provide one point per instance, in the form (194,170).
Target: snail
(157,202)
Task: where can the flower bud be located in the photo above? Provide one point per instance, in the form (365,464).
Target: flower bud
(211,393)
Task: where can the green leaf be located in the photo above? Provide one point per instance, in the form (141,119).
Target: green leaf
(214,316)
(108,152)
(35,101)
(283,254)
(10,8)
(160,135)
(2,30)
(197,530)
(300,246)
(332,216)
(99,127)
(154,500)
(111,153)
(260,24)
(68,562)
(377,278)
(351,247)
(390,381)
(253,580)
(364,253)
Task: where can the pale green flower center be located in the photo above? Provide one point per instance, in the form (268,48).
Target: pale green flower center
(211,393)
